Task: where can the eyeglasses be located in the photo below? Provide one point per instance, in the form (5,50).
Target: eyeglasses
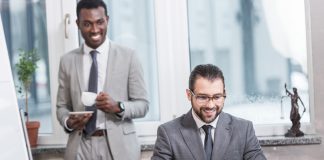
(204,99)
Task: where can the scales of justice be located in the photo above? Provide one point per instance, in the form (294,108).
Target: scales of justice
(295,117)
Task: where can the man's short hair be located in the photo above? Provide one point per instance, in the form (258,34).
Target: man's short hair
(207,71)
(90,4)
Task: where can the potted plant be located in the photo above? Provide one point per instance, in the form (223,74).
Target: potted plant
(26,67)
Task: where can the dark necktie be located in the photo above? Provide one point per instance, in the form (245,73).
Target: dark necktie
(208,141)
(92,87)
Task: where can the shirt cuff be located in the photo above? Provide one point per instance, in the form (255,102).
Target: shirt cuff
(65,125)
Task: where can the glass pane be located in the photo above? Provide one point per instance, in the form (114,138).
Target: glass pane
(24,23)
(131,23)
(260,45)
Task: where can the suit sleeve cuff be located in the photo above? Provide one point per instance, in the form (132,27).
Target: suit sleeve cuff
(121,114)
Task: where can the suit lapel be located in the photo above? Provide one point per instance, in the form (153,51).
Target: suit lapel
(222,136)
(110,66)
(191,137)
(78,62)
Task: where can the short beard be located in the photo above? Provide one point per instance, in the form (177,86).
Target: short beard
(200,115)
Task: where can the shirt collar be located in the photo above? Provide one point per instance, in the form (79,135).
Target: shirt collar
(200,123)
(103,48)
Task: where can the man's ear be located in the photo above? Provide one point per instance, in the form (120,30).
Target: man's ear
(107,18)
(77,23)
(224,93)
(188,92)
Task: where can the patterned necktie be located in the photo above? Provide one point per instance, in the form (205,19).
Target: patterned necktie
(208,141)
(92,87)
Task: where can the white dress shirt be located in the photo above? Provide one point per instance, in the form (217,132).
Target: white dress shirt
(102,61)
(200,123)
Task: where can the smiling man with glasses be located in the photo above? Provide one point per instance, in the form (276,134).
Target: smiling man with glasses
(205,132)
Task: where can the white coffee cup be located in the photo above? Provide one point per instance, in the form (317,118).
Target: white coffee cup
(88,98)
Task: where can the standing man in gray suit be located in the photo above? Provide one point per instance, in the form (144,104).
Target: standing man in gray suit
(115,76)
(205,132)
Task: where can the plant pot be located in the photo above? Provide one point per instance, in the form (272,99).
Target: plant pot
(32,130)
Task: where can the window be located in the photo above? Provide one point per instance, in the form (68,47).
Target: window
(24,23)
(260,45)
(132,24)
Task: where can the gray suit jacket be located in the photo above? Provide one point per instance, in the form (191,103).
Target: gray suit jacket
(124,82)
(180,140)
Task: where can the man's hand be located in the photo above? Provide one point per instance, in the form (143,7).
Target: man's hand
(106,103)
(78,121)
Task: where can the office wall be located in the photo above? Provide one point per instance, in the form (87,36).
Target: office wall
(317,21)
